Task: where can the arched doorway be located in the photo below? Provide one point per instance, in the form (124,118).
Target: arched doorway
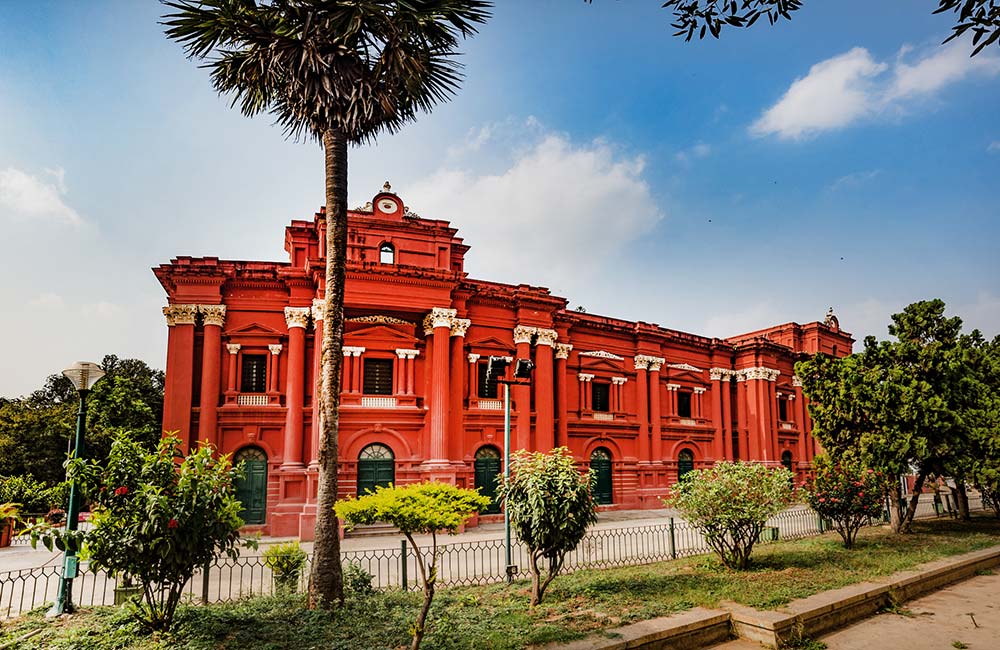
(685,463)
(376,467)
(487,467)
(251,489)
(600,462)
(786,460)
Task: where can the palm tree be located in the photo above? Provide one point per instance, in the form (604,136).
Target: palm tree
(338,72)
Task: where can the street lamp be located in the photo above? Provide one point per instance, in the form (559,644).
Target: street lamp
(495,369)
(83,374)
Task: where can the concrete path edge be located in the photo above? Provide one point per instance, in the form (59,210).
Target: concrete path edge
(803,618)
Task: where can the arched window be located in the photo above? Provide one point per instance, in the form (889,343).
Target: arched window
(786,460)
(685,463)
(600,462)
(376,468)
(386,254)
(251,488)
(487,472)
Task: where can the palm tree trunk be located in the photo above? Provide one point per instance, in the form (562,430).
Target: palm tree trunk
(326,582)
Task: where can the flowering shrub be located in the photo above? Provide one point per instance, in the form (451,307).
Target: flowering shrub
(286,562)
(729,503)
(156,517)
(847,493)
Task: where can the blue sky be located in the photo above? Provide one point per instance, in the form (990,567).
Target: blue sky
(843,159)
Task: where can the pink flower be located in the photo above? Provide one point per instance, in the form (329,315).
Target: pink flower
(822,500)
(121,491)
(172,523)
(861,494)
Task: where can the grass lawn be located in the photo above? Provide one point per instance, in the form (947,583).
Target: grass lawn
(498,616)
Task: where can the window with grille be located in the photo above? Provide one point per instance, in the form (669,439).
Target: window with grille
(600,397)
(386,254)
(782,409)
(254,377)
(683,404)
(377,377)
(487,389)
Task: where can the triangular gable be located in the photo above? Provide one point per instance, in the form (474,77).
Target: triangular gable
(380,335)
(254,329)
(600,363)
(491,342)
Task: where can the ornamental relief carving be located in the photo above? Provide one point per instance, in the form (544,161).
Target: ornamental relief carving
(459,326)
(796,382)
(563,350)
(584,376)
(757,373)
(684,366)
(275,348)
(645,361)
(523,334)
(601,354)
(233,348)
(439,317)
(720,374)
(473,357)
(212,314)
(407,354)
(297,317)
(353,351)
(318,310)
(546,337)
(376,319)
(180,314)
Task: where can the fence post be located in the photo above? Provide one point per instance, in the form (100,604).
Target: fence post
(821,527)
(204,583)
(402,563)
(673,542)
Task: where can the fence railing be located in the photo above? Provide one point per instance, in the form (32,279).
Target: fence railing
(461,563)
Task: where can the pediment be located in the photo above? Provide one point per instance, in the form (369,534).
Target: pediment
(694,376)
(381,336)
(254,329)
(597,364)
(491,342)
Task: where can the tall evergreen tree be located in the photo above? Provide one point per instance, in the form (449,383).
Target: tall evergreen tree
(339,72)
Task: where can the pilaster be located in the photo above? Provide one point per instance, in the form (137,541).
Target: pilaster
(213,317)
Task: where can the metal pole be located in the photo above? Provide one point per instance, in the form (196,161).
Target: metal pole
(64,600)
(506,478)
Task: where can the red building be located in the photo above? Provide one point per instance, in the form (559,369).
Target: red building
(639,403)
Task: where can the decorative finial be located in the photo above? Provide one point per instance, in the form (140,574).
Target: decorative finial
(387,187)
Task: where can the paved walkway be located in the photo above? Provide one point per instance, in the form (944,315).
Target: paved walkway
(966,614)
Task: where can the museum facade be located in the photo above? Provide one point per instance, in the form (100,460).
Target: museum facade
(638,403)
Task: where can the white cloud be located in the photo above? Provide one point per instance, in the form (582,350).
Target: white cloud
(23,196)
(554,215)
(853,179)
(854,86)
(698,150)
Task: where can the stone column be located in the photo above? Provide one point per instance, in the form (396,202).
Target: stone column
(177,395)
(234,350)
(742,416)
(723,408)
(545,437)
(562,404)
(641,363)
(411,356)
(521,393)
(655,422)
(699,399)
(274,368)
(584,380)
(672,397)
(297,319)
(719,444)
(456,410)
(805,450)
(213,316)
(473,392)
(437,325)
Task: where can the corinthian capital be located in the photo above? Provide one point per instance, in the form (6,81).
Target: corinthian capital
(180,314)
(546,337)
(297,317)
(523,334)
(720,374)
(212,314)
(233,348)
(459,326)
(318,309)
(563,350)
(796,381)
(439,317)
(645,361)
(274,348)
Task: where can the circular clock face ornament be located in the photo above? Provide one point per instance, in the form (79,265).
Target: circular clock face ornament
(387,206)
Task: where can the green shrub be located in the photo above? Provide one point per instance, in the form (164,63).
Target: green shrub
(729,503)
(286,562)
(420,508)
(34,496)
(357,580)
(550,507)
(847,493)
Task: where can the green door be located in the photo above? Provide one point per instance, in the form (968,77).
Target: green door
(251,490)
(685,463)
(376,467)
(487,468)
(600,462)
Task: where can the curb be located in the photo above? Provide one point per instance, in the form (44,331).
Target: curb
(807,617)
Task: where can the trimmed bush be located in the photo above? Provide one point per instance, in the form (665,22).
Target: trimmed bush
(847,493)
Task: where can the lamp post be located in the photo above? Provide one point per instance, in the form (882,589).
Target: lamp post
(496,368)
(83,374)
